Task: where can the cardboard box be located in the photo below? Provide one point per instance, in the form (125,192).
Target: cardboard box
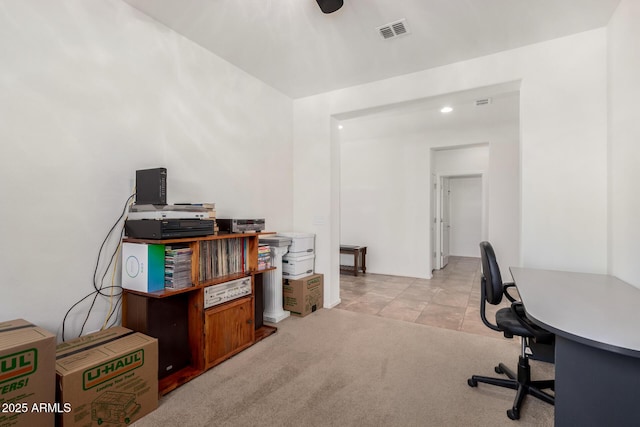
(303,296)
(109,377)
(297,265)
(142,267)
(27,375)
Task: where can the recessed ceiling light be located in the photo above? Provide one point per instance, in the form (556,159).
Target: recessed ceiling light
(446,109)
(340,127)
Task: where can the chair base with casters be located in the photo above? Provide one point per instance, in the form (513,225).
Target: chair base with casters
(519,381)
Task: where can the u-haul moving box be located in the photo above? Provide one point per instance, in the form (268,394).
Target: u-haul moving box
(27,375)
(109,377)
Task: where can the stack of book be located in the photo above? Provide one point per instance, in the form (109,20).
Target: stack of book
(177,267)
(264,257)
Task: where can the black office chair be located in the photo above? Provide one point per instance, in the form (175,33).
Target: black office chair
(511,322)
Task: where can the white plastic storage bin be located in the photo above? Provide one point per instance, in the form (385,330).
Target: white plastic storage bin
(296,266)
(300,242)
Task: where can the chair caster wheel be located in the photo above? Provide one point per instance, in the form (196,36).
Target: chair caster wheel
(498,370)
(513,414)
(472,382)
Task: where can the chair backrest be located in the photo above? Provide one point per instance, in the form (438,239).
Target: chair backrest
(491,278)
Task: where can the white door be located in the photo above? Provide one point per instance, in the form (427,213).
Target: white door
(445,194)
(434,218)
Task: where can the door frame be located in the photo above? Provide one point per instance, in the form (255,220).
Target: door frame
(436,238)
(444,228)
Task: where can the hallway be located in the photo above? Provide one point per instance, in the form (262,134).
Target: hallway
(450,300)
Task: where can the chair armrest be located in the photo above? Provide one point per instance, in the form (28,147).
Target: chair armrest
(540,335)
(506,292)
(517,308)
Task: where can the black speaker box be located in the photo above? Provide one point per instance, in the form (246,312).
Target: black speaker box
(167,320)
(258,301)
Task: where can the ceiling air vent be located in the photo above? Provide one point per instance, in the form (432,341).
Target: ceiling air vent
(484,101)
(394,29)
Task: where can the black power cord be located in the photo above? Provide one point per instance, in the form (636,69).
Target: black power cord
(99,289)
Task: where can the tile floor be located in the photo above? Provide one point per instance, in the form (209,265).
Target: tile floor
(451,299)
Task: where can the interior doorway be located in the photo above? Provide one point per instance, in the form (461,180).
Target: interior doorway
(382,198)
(459,216)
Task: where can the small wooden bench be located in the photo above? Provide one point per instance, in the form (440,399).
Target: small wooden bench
(359,259)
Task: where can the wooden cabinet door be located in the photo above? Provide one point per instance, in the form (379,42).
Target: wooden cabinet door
(228,330)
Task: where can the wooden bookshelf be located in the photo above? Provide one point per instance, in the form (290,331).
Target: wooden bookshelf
(214,334)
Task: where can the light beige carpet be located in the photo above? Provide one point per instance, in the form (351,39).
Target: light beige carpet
(340,368)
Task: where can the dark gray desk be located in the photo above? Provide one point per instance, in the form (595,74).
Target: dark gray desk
(596,319)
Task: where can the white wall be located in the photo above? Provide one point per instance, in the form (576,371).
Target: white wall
(624,139)
(563,148)
(385,188)
(90,91)
(387,158)
(466,216)
(464,160)
(503,204)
